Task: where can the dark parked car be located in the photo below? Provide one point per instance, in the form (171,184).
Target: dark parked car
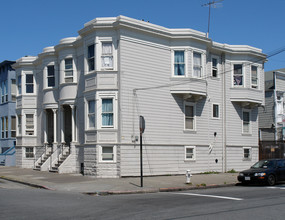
(264,171)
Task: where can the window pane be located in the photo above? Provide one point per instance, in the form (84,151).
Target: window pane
(107,153)
(51,81)
(215,111)
(29,88)
(68,63)
(189,111)
(237,69)
(29,78)
(189,123)
(91,51)
(50,70)
(107,48)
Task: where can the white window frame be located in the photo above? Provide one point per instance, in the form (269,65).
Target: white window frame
(13,127)
(254,86)
(249,153)
(101,160)
(243,75)
(25,153)
(215,104)
(194,115)
(99,97)
(249,124)
(215,68)
(185,62)
(186,154)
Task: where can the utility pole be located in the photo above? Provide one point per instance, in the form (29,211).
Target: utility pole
(210,4)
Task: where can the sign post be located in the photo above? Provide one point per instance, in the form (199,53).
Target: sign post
(142,127)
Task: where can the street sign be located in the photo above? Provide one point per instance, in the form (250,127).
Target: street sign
(142,124)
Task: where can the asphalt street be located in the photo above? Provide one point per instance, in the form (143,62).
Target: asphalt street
(238,202)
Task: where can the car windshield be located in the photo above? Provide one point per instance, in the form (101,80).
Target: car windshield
(264,164)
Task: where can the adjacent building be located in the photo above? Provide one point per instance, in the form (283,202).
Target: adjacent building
(79,102)
(7,113)
(272,116)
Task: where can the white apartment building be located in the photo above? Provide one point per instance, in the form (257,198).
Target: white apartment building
(79,102)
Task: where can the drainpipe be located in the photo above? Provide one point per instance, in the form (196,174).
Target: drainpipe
(224,153)
(275,107)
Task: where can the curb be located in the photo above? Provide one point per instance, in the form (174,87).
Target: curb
(25,183)
(169,189)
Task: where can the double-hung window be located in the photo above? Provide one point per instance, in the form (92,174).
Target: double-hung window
(29,83)
(107,112)
(13,90)
(214,67)
(107,55)
(197,64)
(50,76)
(91,114)
(4,89)
(19,85)
(238,75)
(189,116)
(13,126)
(254,77)
(190,152)
(29,152)
(107,154)
(29,124)
(2,127)
(246,121)
(91,57)
(6,126)
(19,124)
(68,63)
(247,153)
(179,63)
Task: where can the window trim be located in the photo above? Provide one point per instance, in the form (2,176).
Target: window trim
(249,123)
(27,84)
(34,125)
(194,115)
(48,77)
(101,154)
(194,153)
(250,153)
(173,65)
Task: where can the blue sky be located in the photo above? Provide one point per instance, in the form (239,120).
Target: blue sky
(29,26)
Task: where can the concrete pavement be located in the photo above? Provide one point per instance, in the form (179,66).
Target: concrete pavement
(98,186)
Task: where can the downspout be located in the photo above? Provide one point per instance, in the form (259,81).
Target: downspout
(224,145)
(275,106)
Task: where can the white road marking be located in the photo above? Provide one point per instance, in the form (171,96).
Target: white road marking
(211,196)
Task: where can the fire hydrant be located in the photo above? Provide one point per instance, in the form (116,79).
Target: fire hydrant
(188,176)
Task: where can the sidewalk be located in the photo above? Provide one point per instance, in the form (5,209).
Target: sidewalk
(92,185)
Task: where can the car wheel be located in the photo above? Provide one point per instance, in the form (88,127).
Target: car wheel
(271,180)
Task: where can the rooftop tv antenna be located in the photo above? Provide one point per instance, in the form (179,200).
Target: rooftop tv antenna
(211,4)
